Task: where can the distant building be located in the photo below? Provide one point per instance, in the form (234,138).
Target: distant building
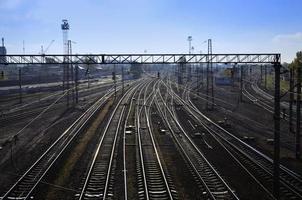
(2,48)
(2,59)
(2,51)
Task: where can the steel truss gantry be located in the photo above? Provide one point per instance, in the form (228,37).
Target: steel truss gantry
(258,58)
(139,58)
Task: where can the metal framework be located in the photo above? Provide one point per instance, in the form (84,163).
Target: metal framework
(140,58)
(269,58)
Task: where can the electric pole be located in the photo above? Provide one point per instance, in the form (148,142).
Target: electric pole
(241,82)
(76,83)
(210,74)
(298,112)
(291,99)
(71,72)
(276,163)
(20,86)
(114,80)
(123,79)
(265,77)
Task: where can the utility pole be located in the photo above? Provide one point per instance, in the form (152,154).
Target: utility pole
(202,74)
(261,73)
(241,82)
(114,79)
(291,99)
(67,82)
(250,73)
(210,74)
(207,81)
(198,77)
(265,76)
(189,70)
(123,79)
(71,72)
(20,86)
(276,163)
(298,112)
(233,75)
(76,83)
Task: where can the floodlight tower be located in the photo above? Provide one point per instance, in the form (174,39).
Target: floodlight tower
(65,29)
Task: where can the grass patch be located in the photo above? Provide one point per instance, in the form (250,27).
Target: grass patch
(284,85)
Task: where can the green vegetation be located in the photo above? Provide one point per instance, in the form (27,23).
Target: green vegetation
(284,85)
(297,62)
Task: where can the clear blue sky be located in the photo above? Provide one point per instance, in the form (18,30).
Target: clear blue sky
(158,26)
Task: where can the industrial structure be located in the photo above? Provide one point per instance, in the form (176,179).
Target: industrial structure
(135,106)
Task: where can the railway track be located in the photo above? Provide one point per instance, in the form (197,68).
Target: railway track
(266,104)
(262,165)
(213,185)
(153,180)
(30,110)
(288,141)
(127,140)
(24,186)
(99,180)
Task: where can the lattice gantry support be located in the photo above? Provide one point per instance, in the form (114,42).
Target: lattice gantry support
(182,59)
(138,58)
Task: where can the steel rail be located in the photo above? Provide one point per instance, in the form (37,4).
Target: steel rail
(97,151)
(140,148)
(292,174)
(230,191)
(48,160)
(124,148)
(288,185)
(147,114)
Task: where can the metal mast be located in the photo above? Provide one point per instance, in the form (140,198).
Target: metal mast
(65,29)
(210,75)
(188,72)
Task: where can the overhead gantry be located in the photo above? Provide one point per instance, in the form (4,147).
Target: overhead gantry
(256,58)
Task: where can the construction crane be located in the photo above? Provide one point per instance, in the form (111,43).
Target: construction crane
(45,51)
